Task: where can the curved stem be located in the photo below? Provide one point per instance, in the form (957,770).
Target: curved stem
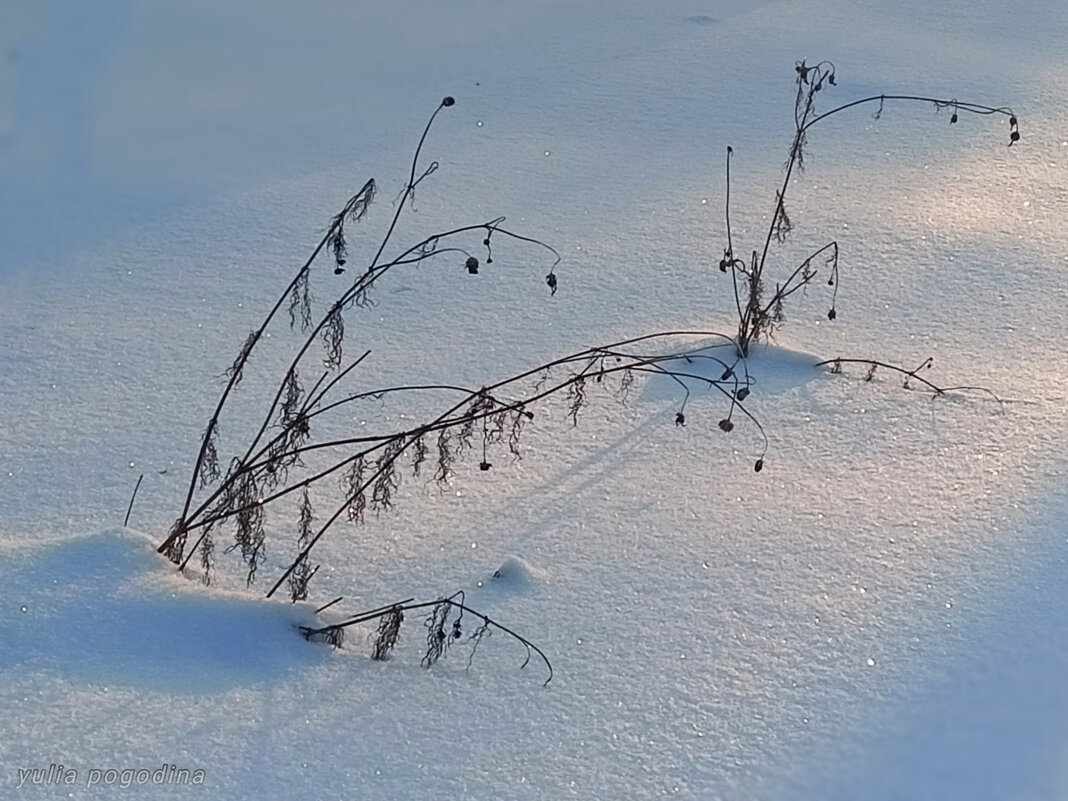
(235,375)
(974,108)
(408,606)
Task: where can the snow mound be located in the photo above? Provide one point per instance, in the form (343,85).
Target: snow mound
(107,608)
(769,369)
(514,574)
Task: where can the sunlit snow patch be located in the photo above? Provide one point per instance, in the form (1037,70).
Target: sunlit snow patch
(768,369)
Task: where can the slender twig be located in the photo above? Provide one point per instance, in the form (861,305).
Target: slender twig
(408,606)
(326,606)
(129,508)
(910,375)
(973,108)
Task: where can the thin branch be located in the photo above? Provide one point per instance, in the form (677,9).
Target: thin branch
(909,376)
(408,606)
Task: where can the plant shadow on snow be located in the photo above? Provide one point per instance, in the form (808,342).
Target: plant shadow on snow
(105,608)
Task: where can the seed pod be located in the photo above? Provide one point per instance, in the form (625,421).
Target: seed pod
(832,314)
(680,419)
(472,265)
(448,101)
(759,465)
(726,424)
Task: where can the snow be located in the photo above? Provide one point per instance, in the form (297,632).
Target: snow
(878,613)
(104,609)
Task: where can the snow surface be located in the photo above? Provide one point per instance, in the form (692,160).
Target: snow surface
(879,613)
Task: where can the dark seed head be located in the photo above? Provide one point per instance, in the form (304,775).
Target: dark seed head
(680,419)
(832,314)
(953,119)
(448,101)
(742,393)
(472,265)
(726,424)
(1014,137)
(759,465)
(484,466)
(339,270)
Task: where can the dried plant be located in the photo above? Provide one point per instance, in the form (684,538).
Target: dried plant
(925,384)
(388,633)
(443,631)
(263,472)
(303,571)
(759,314)
(294,451)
